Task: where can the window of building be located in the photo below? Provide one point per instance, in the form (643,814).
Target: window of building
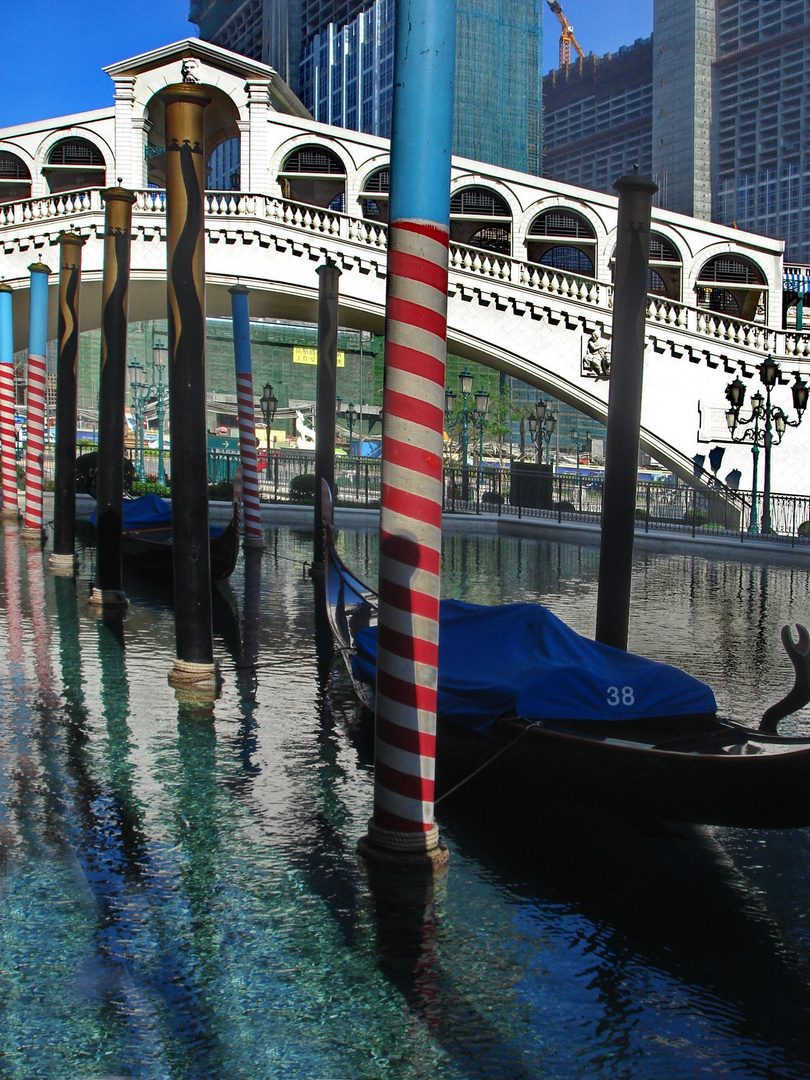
(74,164)
(316,176)
(480,217)
(732,285)
(563,239)
(15,178)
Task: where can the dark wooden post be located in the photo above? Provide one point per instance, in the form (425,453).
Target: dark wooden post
(325,396)
(185,231)
(62,558)
(624,409)
(107,590)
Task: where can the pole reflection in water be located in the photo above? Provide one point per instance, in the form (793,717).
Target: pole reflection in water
(179,887)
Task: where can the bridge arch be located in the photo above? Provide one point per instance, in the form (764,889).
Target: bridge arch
(222,123)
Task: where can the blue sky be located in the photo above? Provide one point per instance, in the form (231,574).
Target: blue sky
(53,50)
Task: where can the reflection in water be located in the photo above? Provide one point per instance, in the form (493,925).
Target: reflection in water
(181,896)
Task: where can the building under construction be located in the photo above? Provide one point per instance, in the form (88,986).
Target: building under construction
(338,56)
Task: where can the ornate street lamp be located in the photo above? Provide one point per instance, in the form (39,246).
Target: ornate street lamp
(161,393)
(465,381)
(580,438)
(269,403)
(480,417)
(759,428)
(140,393)
(351,417)
(542,423)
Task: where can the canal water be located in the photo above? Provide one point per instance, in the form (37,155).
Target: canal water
(180,895)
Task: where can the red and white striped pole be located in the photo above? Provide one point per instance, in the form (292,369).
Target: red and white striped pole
(35,414)
(8,445)
(246,407)
(402,830)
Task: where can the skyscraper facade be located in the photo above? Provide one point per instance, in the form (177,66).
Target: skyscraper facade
(720,96)
(338,56)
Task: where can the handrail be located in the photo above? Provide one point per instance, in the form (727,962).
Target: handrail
(479,264)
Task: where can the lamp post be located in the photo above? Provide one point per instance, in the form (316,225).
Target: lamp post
(542,423)
(759,428)
(140,392)
(351,417)
(578,435)
(161,394)
(465,381)
(269,403)
(479,419)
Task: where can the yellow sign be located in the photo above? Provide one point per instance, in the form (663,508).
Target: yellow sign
(302,355)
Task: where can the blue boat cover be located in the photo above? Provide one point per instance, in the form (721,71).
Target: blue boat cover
(522,659)
(148,511)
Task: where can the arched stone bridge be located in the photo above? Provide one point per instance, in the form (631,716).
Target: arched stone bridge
(507,307)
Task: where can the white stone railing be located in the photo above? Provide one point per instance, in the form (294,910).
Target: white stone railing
(501,273)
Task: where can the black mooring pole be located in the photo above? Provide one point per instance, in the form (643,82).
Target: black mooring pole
(62,558)
(325,399)
(624,409)
(107,590)
(185,243)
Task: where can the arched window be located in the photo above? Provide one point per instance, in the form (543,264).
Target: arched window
(563,239)
(374,199)
(733,285)
(481,218)
(316,176)
(15,178)
(74,164)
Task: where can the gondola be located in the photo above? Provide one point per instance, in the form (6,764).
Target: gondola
(577,722)
(147,536)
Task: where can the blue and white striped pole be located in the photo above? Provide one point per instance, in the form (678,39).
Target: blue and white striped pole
(402,828)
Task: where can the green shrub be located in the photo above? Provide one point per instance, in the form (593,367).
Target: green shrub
(221,492)
(694,517)
(302,488)
(491,498)
(804,528)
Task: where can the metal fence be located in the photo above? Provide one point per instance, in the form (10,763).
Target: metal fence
(521,490)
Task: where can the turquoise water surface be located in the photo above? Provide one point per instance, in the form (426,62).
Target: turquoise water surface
(180,894)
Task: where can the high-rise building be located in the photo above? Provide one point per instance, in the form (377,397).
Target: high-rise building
(338,57)
(713,106)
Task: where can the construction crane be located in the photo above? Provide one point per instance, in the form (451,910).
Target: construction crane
(567,38)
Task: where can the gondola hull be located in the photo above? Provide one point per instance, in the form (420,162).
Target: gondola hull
(147,538)
(694,768)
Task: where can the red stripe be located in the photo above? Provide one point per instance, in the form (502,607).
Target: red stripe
(412,457)
(413,506)
(386,820)
(408,647)
(413,314)
(434,232)
(416,410)
(410,740)
(413,695)
(411,787)
(408,600)
(417,268)
(415,362)
(405,551)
